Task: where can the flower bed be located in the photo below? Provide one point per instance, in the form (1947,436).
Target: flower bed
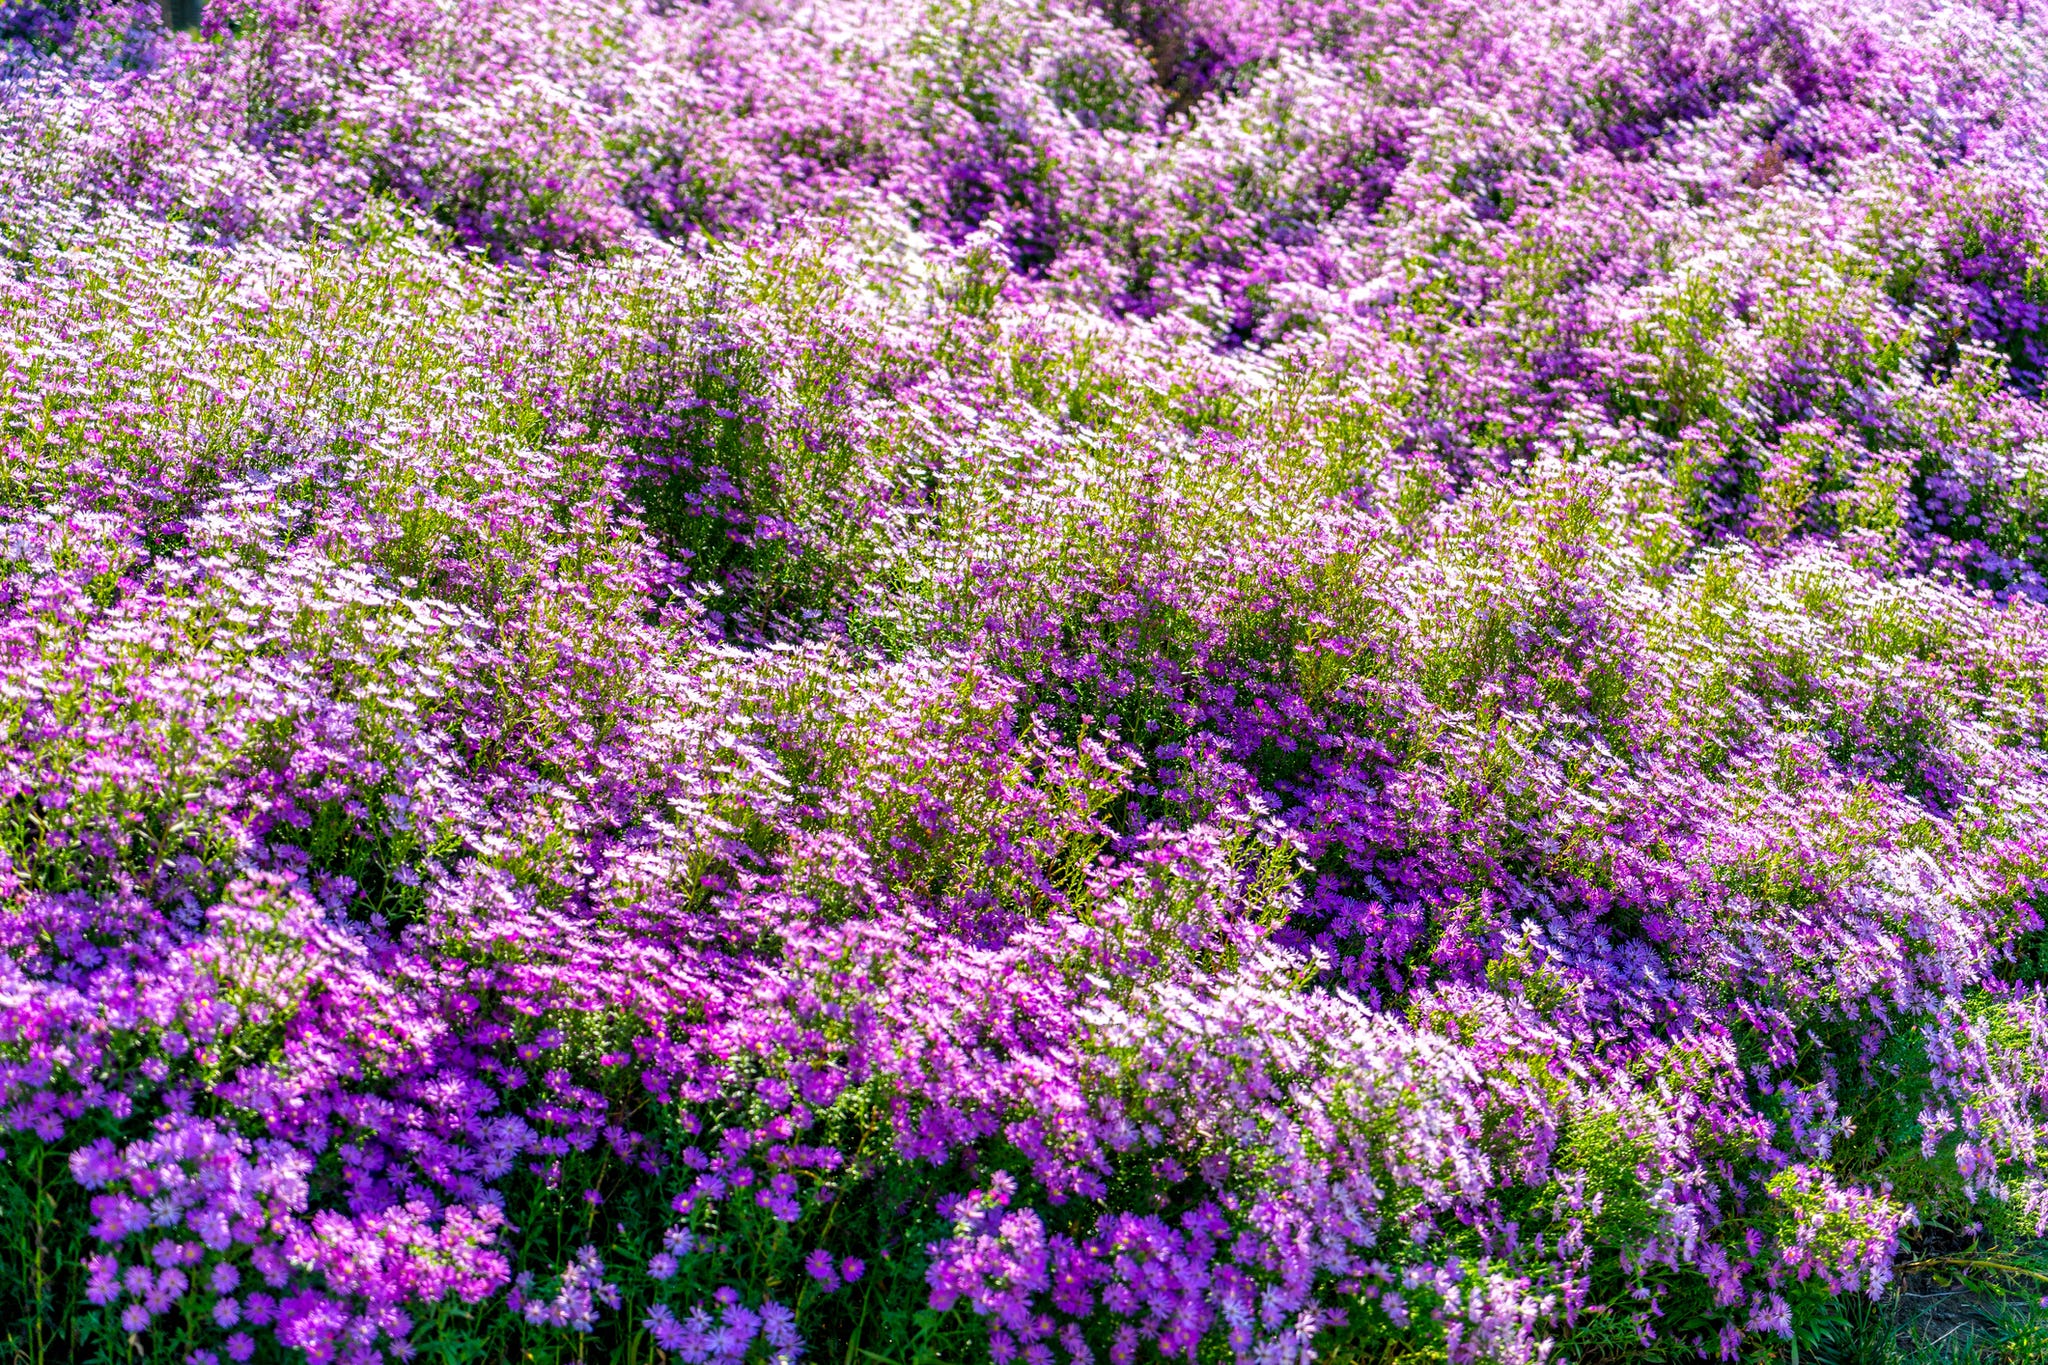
(1248,681)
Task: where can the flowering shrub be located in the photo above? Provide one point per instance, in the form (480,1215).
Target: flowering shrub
(1015,679)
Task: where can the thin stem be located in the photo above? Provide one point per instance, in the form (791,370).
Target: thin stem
(1977,1263)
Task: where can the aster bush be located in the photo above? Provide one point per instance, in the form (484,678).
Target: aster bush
(1018,680)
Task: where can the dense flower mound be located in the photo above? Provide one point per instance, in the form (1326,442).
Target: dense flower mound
(1170,680)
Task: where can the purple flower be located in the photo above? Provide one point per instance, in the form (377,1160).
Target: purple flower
(95,1165)
(581,1291)
(102,1279)
(661,1324)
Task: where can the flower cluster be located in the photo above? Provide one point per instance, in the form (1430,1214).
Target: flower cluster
(581,1295)
(1034,680)
(733,1335)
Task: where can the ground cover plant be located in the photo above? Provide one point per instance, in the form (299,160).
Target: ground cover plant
(1021,680)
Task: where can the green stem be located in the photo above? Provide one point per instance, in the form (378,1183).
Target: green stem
(1976,1263)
